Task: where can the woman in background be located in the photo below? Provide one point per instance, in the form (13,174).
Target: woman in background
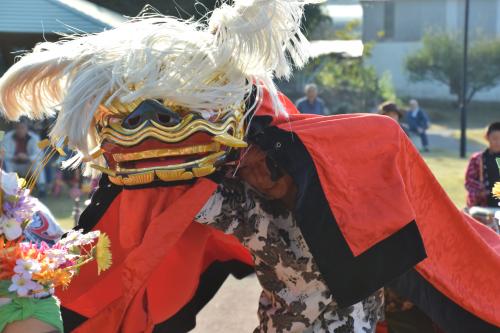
(482,174)
(483,171)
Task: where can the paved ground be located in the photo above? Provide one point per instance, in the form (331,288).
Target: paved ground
(233,310)
(443,139)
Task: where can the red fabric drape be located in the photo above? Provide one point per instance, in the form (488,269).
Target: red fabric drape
(376,182)
(158,257)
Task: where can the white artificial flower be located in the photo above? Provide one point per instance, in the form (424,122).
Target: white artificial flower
(57,257)
(10,183)
(89,237)
(27,267)
(76,238)
(22,285)
(70,238)
(3,221)
(11,228)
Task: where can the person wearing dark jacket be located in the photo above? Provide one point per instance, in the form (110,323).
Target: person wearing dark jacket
(311,103)
(418,123)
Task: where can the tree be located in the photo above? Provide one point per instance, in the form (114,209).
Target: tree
(441,60)
(349,84)
(197,9)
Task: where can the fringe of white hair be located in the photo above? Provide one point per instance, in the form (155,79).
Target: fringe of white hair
(153,56)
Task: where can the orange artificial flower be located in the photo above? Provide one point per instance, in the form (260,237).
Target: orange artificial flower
(9,253)
(59,277)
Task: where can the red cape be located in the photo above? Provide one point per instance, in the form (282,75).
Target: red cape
(376,182)
(159,255)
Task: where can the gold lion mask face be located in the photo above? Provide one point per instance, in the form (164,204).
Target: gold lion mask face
(151,140)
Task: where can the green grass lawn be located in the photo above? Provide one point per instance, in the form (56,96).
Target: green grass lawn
(449,169)
(62,208)
(479,114)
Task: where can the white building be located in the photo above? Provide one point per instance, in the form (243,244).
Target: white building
(404,22)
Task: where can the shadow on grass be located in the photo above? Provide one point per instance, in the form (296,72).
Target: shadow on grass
(479,114)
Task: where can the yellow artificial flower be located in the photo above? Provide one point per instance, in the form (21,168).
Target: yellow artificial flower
(103,253)
(496,190)
(22,182)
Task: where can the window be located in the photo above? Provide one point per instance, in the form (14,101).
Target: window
(3,65)
(389,19)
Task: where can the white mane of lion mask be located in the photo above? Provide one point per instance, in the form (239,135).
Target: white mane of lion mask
(203,73)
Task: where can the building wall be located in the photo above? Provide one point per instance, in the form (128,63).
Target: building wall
(373,20)
(483,16)
(390,57)
(412,18)
(402,20)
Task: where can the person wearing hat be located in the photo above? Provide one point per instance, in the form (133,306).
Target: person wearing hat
(391,110)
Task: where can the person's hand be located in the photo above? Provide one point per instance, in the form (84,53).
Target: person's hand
(254,171)
(420,130)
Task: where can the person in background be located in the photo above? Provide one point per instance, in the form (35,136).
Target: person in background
(21,152)
(391,110)
(418,123)
(483,171)
(311,103)
(481,175)
(42,129)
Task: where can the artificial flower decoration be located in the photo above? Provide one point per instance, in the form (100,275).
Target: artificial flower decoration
(10,228)
(496,190)
(103,253)
(36,269)
(10,183)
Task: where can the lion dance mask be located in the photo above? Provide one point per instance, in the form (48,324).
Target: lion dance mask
(160,99)
(156,105)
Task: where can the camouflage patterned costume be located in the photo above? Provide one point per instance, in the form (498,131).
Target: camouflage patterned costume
(295,297)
